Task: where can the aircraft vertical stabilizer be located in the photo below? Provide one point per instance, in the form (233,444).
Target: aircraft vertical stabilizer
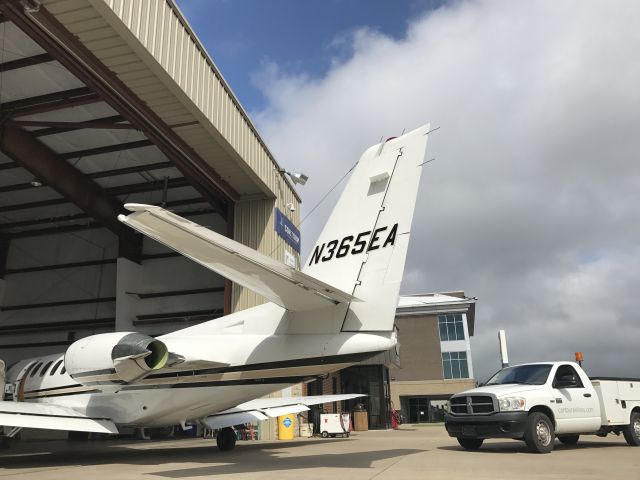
(363,247)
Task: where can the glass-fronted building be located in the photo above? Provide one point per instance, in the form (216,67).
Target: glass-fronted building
(434,332)
(433,363)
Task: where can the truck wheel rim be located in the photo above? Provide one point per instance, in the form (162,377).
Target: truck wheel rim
(636,427)
(543,433)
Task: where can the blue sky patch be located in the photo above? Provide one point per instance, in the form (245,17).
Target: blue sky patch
(245,37)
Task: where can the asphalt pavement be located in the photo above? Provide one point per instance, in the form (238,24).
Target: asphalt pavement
(413,452)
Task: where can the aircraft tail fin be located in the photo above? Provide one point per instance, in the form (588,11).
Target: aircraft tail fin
(363,247)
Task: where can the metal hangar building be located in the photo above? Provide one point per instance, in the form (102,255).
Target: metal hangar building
(104,102)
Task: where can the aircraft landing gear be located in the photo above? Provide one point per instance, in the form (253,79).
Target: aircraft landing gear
(226,439)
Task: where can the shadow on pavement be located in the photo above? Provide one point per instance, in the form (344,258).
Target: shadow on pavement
(264,461)
(520,447)
(245,458)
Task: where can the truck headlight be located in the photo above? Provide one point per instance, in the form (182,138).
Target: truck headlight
(510,404)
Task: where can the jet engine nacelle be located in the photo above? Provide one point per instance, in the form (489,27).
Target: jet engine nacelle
(115,357)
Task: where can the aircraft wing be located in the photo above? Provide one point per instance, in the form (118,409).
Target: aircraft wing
(264,408)
(267,403)
(283,285)
(51,417)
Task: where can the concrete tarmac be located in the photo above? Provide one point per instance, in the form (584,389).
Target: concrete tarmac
(413,452)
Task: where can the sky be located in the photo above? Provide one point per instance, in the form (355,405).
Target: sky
(532,204)
(301,37)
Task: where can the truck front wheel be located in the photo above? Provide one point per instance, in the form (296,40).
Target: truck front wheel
(470,443)
(631,432)
(539,435)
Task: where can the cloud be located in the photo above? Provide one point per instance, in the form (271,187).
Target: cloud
(532,204)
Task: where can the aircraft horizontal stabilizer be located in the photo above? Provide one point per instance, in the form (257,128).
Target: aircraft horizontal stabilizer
(283,285)
(51,417)
(264,408)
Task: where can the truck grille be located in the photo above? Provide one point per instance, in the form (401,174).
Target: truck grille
(477,404)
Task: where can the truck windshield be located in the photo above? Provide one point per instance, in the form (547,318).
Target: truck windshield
(524,374)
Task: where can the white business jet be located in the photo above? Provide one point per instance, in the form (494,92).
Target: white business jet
(337,311)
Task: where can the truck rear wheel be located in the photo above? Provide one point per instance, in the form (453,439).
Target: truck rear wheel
(569,439)
(539,435)
(631,432)
(470,443)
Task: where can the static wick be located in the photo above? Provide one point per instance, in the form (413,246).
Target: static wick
(426,161)
(432,130)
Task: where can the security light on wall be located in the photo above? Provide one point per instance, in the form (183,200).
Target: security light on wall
(296,177)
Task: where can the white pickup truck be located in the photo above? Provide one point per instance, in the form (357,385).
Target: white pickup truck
(538,402)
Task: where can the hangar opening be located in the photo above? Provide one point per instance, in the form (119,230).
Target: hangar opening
(104,103)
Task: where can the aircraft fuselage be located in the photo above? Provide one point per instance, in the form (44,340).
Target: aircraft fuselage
(262,364)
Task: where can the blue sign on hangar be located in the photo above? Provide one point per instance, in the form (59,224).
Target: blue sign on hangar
(287,230)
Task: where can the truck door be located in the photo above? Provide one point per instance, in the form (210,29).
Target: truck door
(577,407)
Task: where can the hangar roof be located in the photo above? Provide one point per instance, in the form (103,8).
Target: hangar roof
(110,101)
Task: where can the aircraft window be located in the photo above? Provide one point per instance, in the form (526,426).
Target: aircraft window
(35,370)
(64,370)
(45,368)
(55,367)
(28,368)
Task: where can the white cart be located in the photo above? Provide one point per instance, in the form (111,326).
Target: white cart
(332,424)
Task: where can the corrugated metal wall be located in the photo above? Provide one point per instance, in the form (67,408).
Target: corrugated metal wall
(254,226)
(159,26)
(181,85)
(162,30)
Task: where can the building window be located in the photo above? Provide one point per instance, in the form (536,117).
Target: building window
(451,327)
(454,365)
